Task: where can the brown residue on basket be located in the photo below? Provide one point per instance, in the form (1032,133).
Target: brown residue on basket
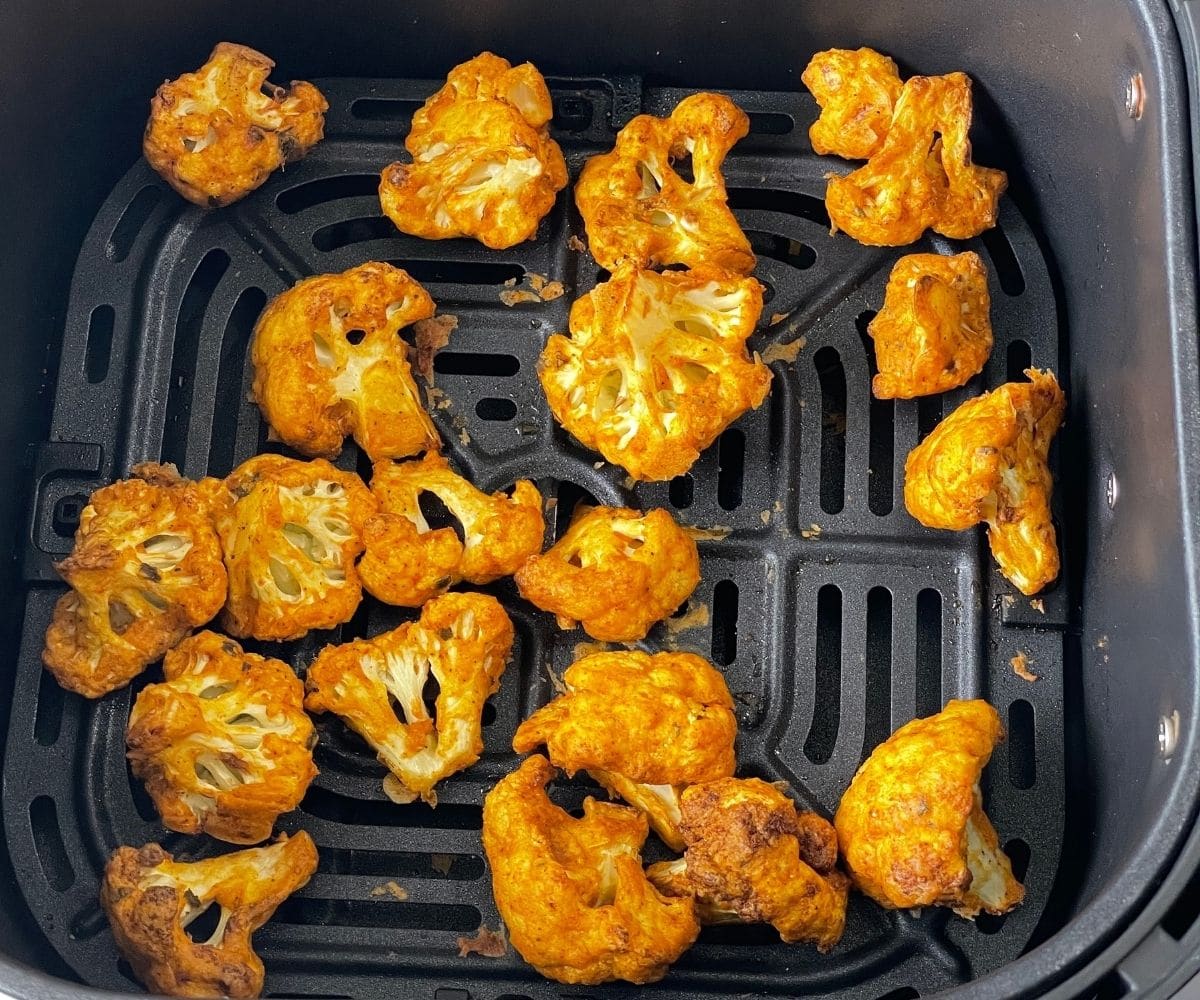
(764,516)
(777,318)
(485,942)
(576,244)
(516,296)
(390,888)
(441,863)
(714,534)
(812,531)
(1038,605)
(552,290)
(1020,665)
(431,335)
(696,616)
(784,352)
(583,649)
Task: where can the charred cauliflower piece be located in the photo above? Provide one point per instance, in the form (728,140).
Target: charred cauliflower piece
(572,892)
(616,571)
(656,366)
(144,571)
(329,361)
(483,163)
(407,562)
(857,90)
(987,461)
(670,725)
(223,746)
(290,541)
(911,825)
(639,211)
(218,133)
(922,177)
(934,332)
(463,642)
(150,899)
(752,857)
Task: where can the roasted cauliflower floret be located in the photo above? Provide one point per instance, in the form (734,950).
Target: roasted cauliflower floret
(407,562)
(291,540)
(639,211)
(922,177)
(934,332)
(911,825)
(218,133)
(483,163)
(463,642)
(857,90)
(144,571)
(616,571)
(752,857)
(656,366)
(329,361)
(150,899)
(987,462)
(572,892)
(223,746)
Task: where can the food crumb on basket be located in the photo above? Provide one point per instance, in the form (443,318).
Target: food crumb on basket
(484,942)
(784,352)
(696,616)
(1038,605)
(1020,665)
(812,531)
(432,335)
(390,888)
(576,244)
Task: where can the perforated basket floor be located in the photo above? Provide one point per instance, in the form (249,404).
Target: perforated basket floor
(834,616)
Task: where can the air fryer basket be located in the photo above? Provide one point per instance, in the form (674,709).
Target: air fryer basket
(833,615)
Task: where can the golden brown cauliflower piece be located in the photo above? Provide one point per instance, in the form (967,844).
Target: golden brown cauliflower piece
(857,90)
(463,641)
(656,366)
(640,212)
(572,891)
(223,746)
(150,899)
(752,857)
(933,332)
(616,571)
(483,163)
(987,461)
(144,571)
(406,562)
(643,726)
(291,541)
(329,361)
(218,133)
(922,177)
(911,825)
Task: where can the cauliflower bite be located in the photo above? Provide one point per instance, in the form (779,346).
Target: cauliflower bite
(922,177)
(223,745)
(406,562)
(290,541)
(616,571)
(150,899)
(483,163)
(752,857)
(329,361)
(144,571)
(218,133)
(911,825)
(572,891)
(987,461)
(671,725)
(462,641)
(656,366)
(933,332)
(857,90)
(639,211)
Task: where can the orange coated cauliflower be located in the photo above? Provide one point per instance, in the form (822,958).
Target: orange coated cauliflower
(572,892)
(987,461)
(857,90)
(911,825)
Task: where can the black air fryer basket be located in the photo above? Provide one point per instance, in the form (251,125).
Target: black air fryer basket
(833,615)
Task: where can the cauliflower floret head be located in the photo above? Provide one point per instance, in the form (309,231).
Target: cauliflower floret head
(291,540)
(856,90)
(616,571)
(463,642)
(572,891)
(217,134)
(483,163)
(656,366)
(144,571)
(407,562)
(150,899)
(329,361)
(986,462)
(911,825)
(223,746)
(643,726)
